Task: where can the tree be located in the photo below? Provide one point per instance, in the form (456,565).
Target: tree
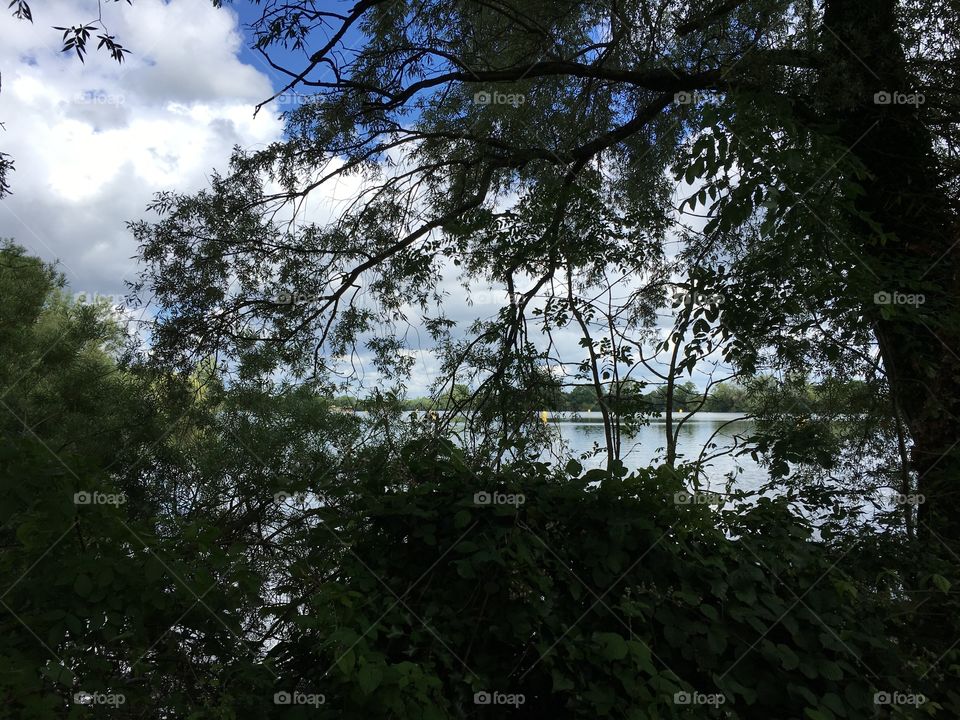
(774,114)
(582,398)
(265,559)
(136,510)
(726,397)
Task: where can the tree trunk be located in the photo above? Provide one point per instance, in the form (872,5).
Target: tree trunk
(919,343)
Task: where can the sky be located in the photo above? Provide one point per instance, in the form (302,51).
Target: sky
(94,141)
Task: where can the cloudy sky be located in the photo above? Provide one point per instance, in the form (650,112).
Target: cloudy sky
(94,141)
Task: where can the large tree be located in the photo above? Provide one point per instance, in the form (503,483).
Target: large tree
(529,144)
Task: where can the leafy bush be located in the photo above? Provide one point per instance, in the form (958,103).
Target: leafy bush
(599,595)
(256,567)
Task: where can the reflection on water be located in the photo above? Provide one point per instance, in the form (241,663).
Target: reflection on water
(583,434)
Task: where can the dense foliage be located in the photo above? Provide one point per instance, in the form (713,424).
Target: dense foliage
(760,193)
(177,548)
(589,161)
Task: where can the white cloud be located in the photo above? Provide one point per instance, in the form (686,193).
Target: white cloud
(92,142)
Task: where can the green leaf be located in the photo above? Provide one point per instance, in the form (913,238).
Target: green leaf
(831,671)
(941,582)
(612,646)
(788,658)
(835,703)
(641,653)
(561,682)
(461,519)
(59,674)
(369,678)
(345,662)
(83,586)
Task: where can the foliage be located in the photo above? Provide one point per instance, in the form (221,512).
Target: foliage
(254,558)
(555,151)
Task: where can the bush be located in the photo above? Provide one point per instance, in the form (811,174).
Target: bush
(598,595)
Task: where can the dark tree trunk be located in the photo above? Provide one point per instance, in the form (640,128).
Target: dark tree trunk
(920,344)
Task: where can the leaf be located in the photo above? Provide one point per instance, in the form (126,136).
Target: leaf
(835,703)
(942,583)
(788,658)
(461,519)
(831,671)
(59,674)
(345,662)
(369,678)
(560,682)
(641,653)
(612,646)
(83,586)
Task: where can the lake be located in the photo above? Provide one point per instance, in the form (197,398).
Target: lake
(581,432)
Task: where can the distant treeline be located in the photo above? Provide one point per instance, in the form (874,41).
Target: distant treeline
(725,397)
(760,395)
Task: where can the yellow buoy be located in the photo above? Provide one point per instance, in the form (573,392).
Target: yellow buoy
(544,416)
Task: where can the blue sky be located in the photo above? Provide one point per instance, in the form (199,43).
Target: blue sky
(93,142)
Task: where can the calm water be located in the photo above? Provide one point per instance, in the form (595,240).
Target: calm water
(581,433)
